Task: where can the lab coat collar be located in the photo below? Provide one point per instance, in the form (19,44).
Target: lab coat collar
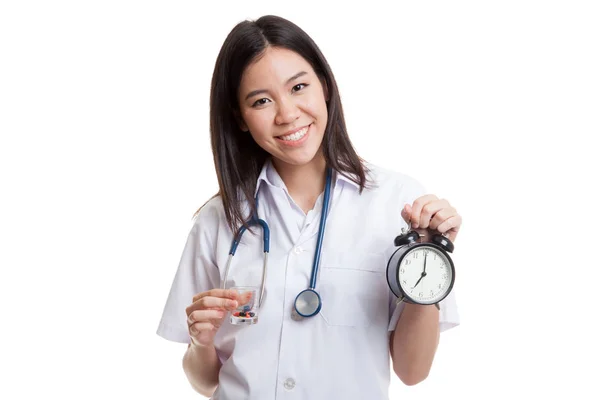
(269,176)
(263,177)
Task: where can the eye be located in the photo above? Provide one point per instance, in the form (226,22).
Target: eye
(299,86)
(260,102)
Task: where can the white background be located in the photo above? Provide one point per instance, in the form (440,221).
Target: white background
(105,156)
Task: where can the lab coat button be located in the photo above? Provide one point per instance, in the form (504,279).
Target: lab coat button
(298,250)
(289,384)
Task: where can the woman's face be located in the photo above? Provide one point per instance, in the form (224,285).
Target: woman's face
(282,104)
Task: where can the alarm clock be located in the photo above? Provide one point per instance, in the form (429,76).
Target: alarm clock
(421,272)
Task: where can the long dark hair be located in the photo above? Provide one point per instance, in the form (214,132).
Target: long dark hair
(238,159)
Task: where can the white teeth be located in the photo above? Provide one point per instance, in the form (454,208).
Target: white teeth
(295,136)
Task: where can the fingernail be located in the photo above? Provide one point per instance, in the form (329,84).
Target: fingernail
(232,303)
(415,225)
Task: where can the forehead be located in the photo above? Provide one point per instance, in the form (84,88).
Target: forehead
(274,67)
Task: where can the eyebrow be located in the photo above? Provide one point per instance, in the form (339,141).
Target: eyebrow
(260,91)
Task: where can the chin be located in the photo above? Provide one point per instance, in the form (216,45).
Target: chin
(299,161)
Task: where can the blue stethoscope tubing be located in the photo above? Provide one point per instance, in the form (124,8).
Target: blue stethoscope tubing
(308,302)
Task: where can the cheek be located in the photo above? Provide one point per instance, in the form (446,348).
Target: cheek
(319,110)
(258,123)
(319,106)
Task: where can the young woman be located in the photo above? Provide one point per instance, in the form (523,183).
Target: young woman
(277,130)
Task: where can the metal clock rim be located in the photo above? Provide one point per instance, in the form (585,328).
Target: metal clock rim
(410,248)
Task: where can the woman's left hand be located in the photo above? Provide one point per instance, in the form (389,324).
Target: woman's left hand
(429,215)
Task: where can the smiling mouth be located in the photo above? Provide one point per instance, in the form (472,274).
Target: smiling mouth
(299,134)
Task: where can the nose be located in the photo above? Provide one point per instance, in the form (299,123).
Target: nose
(287,112)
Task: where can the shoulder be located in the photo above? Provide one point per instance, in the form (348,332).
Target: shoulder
(210,216)
(393,181)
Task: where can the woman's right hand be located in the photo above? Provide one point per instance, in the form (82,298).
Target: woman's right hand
(207,312)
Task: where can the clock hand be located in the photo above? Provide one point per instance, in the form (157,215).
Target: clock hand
(423,274)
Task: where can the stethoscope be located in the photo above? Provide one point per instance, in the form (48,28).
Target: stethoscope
(308,302)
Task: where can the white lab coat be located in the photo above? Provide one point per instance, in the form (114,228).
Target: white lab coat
(343,352)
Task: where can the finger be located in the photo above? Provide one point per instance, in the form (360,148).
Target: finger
(218,303)
(200,327)
(429,210)
(440,216)
(423,209)
(451,227)
(204,316)
(245,297)
(226,293)
(405,213)
(417,209)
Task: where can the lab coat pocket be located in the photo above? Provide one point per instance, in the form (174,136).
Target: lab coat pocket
(354,290)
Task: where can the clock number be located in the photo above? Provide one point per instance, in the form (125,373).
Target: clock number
(431,292)
(415,255)
(420,294)
(407,262)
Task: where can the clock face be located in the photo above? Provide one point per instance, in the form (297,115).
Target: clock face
(425,275)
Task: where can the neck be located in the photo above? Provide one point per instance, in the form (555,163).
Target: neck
(304,182)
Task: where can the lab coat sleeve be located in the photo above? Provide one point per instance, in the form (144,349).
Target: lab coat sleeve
(197,272)
(449,317)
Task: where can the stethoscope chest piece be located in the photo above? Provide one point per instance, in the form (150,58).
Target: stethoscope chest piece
(307,303)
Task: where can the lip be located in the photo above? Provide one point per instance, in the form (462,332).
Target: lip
(293,131)
(295,143)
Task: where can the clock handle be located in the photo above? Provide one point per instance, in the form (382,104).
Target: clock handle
(406,238)
(443,242)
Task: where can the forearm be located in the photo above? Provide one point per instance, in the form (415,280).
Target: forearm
(201,365)
(414,342)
